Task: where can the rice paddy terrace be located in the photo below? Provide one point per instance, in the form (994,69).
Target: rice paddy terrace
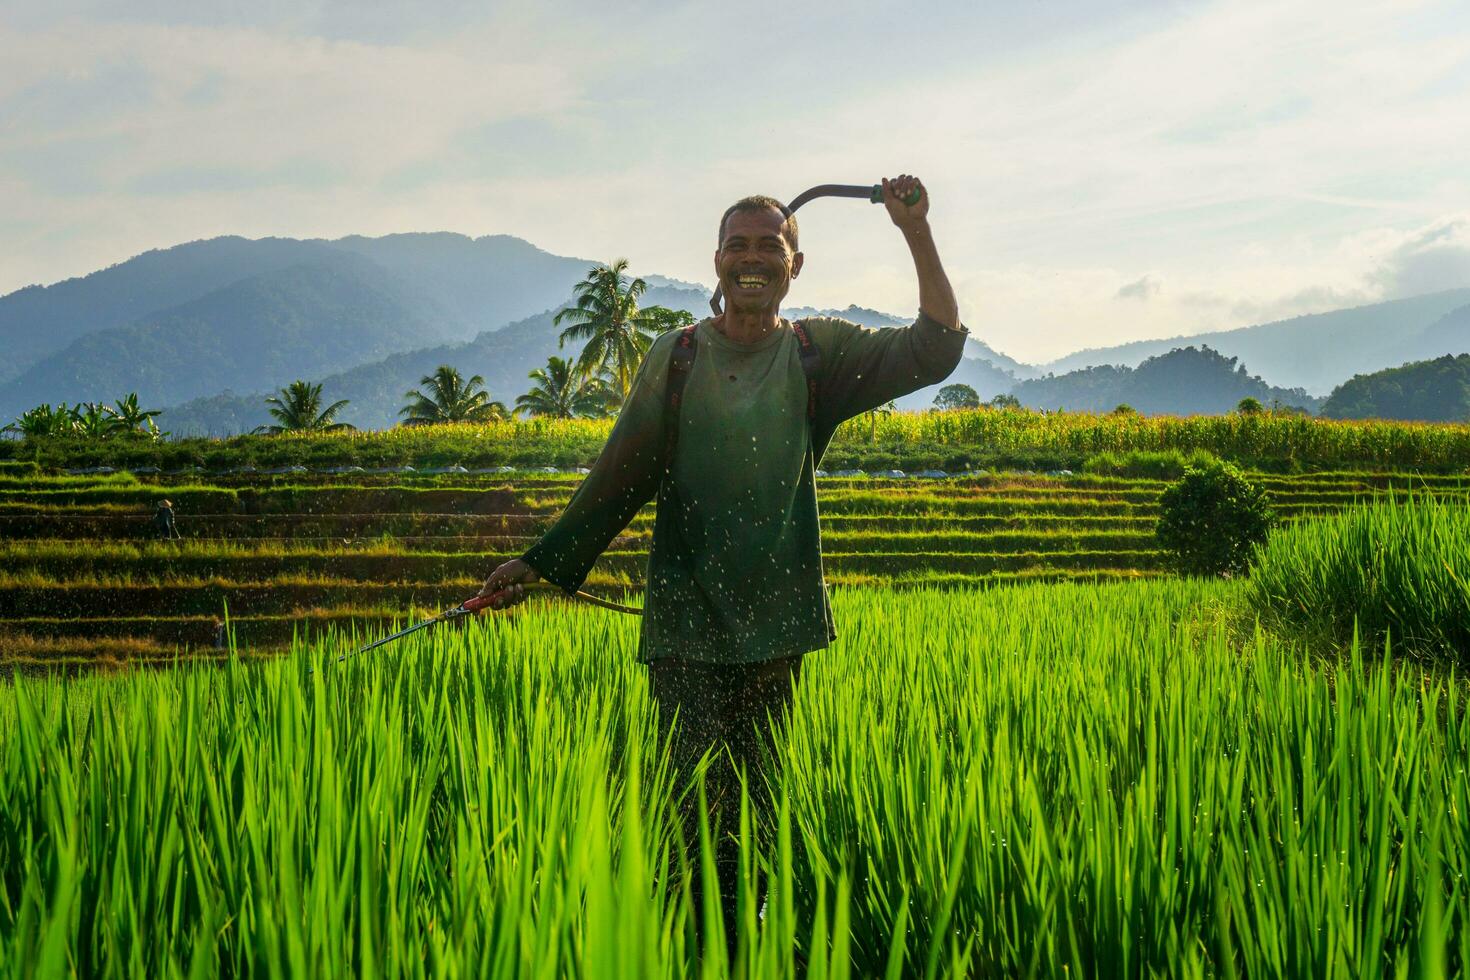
(302,551)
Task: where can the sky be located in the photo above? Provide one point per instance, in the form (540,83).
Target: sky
(1099,171)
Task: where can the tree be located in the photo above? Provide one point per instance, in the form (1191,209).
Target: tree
(1004,401)
(92,420)
(298,408)
(128,417)
(1123,408)
(41,421)
(607,317)
(563,392)
(450,398)
(1249,406)
(956,396)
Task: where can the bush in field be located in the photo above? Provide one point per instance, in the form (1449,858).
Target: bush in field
(1250,406)
(1212,519)
(1394,568)
(1166,465)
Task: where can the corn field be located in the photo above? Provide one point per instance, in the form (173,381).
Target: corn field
(1040,781)
(906,437)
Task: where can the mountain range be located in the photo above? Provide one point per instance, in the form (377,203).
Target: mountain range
(208,329)
(1319,351)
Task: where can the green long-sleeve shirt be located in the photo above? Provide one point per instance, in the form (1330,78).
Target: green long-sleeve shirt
(735,569)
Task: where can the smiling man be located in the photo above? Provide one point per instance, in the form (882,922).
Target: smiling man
(735,591)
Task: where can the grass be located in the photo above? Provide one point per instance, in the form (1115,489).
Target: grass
(1397,568)
(1036,781)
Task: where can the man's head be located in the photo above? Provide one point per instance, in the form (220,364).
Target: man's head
(757,256)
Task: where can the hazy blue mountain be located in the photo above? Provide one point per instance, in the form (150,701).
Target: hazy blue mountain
(258,333)
(1185,381)
(1436,390)
(375,390)
(1313,352)
(41,320)
(504,358)
(477,284)
(484,283)
(1450,334)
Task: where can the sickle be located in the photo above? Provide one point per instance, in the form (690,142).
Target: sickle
(873,192)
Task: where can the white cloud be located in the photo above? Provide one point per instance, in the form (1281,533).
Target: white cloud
(1258,157)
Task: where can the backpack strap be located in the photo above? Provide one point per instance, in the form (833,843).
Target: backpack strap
(680,364)
(811,365)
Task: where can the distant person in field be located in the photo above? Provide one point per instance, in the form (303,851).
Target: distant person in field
(164,524)
(735,592)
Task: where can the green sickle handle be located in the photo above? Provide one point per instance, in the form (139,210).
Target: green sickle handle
(910,199)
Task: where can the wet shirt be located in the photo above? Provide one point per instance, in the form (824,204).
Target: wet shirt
(735,567)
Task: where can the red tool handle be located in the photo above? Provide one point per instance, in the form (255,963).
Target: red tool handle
(483,601)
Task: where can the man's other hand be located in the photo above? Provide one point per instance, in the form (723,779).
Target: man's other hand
(514,575)
(905,216)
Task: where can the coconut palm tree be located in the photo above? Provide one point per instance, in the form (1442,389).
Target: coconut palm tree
(298,408)
(450,398)
(607,317)
(563,392)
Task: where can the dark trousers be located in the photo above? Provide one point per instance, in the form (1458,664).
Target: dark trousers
(725,706)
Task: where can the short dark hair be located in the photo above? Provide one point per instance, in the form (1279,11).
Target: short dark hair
(759,202)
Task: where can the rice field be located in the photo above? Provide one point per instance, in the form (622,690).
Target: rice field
(1039,781)
(290,554)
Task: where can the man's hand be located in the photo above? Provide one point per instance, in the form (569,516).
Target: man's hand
(905,216)
(513,575)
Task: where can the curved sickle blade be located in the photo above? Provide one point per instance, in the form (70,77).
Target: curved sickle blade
(864,191)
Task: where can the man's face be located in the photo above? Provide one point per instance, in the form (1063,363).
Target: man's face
(755,263)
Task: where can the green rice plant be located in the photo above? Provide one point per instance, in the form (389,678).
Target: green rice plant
(1397,568)
(1038,781)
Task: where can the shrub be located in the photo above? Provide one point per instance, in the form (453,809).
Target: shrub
(1123,408)
(1395,569)
(1212,519)
(1249,406)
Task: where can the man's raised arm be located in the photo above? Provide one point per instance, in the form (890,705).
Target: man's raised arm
(624,478)
(864,368)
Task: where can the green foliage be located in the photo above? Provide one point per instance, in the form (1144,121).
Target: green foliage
(1004,402)
(1398,568)
(955,440)
(1212,519)
(1250,405)
(956,396)
(492,801)
(451,400)
(562,391)
(90,421)
(1432,391)
(1166,465)
(616,332)
(298,408)
(1124,409)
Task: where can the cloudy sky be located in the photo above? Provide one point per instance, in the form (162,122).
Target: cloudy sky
(1100,170)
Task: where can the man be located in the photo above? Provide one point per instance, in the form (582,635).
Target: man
(163,521)
(735,591)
